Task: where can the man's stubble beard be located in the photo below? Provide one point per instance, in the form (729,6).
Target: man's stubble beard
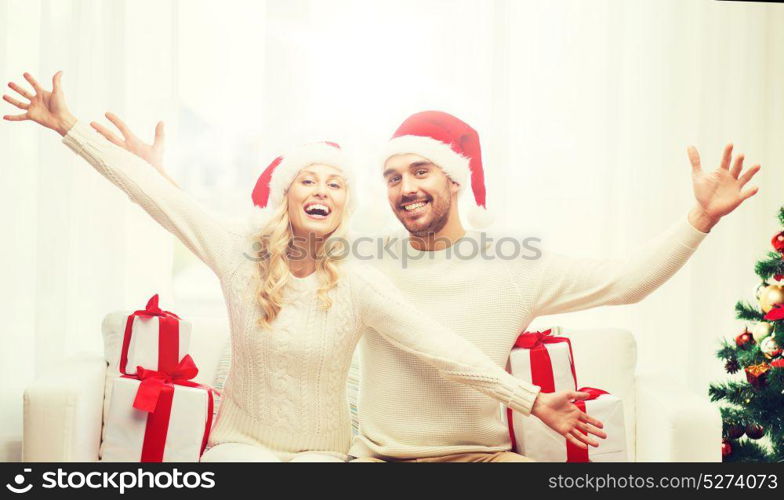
(438,221)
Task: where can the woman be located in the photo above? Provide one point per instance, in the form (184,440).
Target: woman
(296,308)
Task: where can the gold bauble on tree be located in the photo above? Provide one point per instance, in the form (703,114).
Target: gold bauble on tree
(770,296)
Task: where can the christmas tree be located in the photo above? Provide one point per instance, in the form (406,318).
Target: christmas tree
(754,409)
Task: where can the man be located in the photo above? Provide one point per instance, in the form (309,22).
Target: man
(408,412)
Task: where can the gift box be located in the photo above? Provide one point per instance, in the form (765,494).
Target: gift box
(536,440)
(154,339)
(158,417)
(542,359)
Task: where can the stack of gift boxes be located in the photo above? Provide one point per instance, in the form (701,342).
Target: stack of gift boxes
(156,412)
(546,360)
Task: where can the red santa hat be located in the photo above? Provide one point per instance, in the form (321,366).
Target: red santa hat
(273,183)
(451,144)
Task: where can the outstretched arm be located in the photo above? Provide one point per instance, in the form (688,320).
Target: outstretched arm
(566,284)
(572,284)
(200,231)
(382,307)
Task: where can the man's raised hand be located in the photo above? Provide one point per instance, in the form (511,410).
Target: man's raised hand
(719,192)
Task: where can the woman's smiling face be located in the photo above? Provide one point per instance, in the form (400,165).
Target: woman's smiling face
(316,200)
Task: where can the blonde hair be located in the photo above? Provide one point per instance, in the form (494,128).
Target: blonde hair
(275,240)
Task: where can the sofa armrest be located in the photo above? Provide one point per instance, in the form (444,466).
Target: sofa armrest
(673,424)
(63,412)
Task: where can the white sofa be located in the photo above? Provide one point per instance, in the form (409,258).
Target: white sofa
(63,410)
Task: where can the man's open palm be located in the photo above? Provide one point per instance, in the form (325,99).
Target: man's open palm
(720,191)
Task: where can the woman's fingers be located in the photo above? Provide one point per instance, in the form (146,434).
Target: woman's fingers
(108,134)
(33,82)
(18,104)
(576,441)
(584,438)
(573,395)
(21,91)
(591,429)
(584,417)
(119,124)
(15,118)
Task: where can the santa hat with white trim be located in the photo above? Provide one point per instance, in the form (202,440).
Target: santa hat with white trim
(273,183)
(451,144)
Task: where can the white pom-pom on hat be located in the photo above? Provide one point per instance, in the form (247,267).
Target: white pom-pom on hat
(480,217)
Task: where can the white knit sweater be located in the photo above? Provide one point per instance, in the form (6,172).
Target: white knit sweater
(287,388)
(407,410)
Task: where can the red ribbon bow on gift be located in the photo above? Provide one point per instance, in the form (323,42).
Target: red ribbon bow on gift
(152,309)
(168,340)
(776,313)
(153,382)
(540,359)
(529,340)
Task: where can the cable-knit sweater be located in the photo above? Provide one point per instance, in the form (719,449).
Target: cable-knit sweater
(407,410)
(287,388)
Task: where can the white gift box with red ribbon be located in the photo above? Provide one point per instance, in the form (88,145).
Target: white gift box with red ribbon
(154,339)
(546,360)
(542,359)
(158,417)
(543,444)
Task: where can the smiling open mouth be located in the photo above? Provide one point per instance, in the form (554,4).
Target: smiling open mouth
(317,210)
(413,207)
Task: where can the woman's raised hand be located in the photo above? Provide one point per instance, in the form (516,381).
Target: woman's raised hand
(42,106)
(151,153)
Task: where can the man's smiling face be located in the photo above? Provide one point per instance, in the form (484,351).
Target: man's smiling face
(419,192)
